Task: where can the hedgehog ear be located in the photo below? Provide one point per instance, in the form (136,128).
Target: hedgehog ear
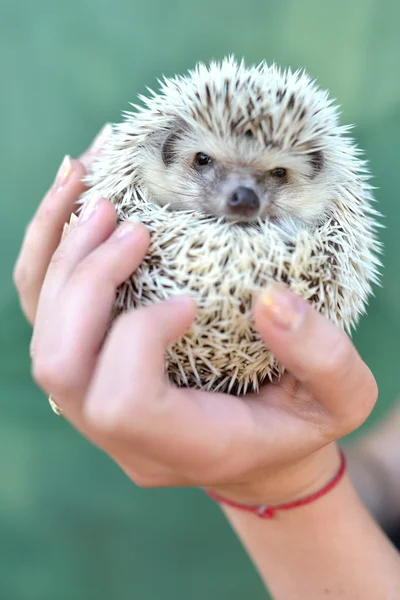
(175,131)
(317,162)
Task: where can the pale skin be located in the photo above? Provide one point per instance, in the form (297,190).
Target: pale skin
(267,449)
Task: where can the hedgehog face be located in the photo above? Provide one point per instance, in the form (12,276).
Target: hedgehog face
(235,177)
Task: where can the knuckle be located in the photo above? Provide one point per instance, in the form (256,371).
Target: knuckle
(26,289)
(361,408)
(368,396)
(21,278)
(52,374)
(42,373)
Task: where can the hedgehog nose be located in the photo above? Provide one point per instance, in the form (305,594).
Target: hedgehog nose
(243,201)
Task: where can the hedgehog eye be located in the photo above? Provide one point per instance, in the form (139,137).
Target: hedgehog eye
(202,159)
(248,133)
(279,173)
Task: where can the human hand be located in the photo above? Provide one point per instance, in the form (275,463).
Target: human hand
(269,447)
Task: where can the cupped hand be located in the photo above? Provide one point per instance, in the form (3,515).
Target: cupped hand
(269,447)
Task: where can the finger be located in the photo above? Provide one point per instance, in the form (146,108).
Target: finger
(95,224)
(72,322)
(317,353)
(44,232)
(144,335)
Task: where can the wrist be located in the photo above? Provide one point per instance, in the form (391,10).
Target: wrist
(288,483)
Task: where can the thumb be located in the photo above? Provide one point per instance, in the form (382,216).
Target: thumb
(317,353)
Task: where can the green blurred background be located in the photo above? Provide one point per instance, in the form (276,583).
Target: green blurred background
(72,527)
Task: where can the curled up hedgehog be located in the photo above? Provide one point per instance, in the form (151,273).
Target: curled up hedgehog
(243,177)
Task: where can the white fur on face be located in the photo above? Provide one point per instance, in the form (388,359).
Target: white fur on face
(304,197)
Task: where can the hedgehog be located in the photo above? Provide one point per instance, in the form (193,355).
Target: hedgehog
(244,176)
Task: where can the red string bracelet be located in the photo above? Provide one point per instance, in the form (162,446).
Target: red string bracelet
(268,512)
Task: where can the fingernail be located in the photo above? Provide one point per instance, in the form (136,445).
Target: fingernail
(101,138)
(282,307)
(125,230)
(64,172)
(88,209)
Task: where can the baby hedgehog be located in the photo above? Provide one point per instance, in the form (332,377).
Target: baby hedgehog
(243,176)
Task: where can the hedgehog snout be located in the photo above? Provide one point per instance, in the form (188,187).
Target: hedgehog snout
(243,202)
